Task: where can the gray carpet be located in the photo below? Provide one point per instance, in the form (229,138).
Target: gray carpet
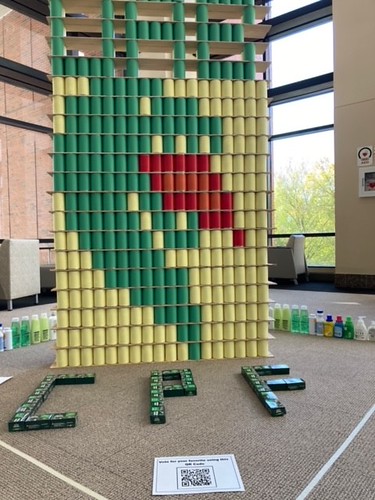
(112,449)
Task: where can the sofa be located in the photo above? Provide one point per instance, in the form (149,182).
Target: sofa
(19,270)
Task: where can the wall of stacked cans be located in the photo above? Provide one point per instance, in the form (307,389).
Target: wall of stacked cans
(160,149)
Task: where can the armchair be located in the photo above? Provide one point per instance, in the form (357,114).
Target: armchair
(19,270)
(288,262)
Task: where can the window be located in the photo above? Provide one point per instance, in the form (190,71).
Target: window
(303,184)
(302,55)
(305,113)
(302,140)
(279,7)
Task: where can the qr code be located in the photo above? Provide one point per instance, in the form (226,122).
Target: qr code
(190,478)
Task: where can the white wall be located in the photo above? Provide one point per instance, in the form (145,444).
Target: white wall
(354,39)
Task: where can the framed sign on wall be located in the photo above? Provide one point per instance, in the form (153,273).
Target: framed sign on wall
(366,181)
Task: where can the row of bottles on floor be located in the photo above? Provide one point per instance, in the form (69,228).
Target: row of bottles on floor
(297,319)
(25,331)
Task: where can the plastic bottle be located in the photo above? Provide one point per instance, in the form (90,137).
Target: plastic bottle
(286,320)
(16,332)
(338,329)
(312,324)
(319,323)
(8,339)
(328,326)
(277,316)
(52,320)
(1,338)
(304,320)
(271,320)
(349,328)
(295,319)
(371,331)
(35,329)
(44,327)
(360,330)
(25,331)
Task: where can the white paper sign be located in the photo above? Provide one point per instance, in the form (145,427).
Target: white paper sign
(202,474)
(365,156)
(4,379)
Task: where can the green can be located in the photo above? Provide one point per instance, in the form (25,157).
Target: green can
(168,125)
(215,70)
(192,125)
(143,30)
(58,47)
(192,144)
(57,66)
(132,49)
(110,276)
(249,71)
(203,51)
(132,86)
(227,70)
(107,28)
(120,87)
(56,8)
(95,68)
(167,31)
(155,30)
(202,14)
(237,33)
(107,9)
(157,220)
(214,32)
(179,69)
(156,87)
(97,257)
(131,11)
(203,70)
(249,14)
(168,144)
(132,68)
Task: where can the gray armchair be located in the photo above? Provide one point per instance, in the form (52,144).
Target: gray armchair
(19,270)
(288,262)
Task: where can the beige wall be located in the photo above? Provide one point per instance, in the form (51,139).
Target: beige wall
(354,38)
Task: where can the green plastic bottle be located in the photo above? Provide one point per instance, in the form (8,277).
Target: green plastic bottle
(25,331)
(286,318)
(277,316)
(16,332)
(295,319)
(304,320)
(44,327)
(349,328)
(35,329)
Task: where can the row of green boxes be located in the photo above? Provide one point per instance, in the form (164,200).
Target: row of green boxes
(269,400)
(25,419)
(167,384)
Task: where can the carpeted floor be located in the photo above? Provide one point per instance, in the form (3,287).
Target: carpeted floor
(112,449)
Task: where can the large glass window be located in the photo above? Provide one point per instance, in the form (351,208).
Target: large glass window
(303,184)
(302,140)
(302,55)
(279,7)
(301,114)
